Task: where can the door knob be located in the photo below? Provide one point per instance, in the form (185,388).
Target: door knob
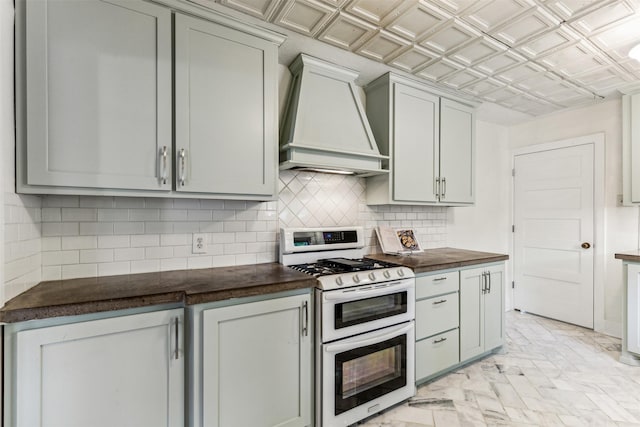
(585,245)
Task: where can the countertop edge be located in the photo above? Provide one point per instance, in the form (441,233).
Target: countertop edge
(214,296)
(627,257)
(89,307)
(458,264)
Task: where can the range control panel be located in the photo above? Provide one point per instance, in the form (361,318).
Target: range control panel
(320,239)
(307,238)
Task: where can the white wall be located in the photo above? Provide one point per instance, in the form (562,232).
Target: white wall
(21,219)
(621,223)
(6,124)
(6,111)
(486,225)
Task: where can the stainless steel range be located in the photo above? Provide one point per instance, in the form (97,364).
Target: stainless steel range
(365,313)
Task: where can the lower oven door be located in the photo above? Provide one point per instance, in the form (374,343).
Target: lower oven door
(356,310)
(367,373)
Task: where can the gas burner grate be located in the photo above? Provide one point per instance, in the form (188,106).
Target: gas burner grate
(325,267)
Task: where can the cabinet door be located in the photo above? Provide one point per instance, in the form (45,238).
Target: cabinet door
(457,136)
(494,308)
(471,313)
(124,371)
(633,308)
(98,89)
(225,110)
(415,145)
(257,364)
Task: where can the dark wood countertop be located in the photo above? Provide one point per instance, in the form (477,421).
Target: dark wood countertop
(440,259)
(632,255)
(187,287)
(98,294)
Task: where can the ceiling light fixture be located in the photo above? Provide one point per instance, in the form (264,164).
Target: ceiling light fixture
(634,53)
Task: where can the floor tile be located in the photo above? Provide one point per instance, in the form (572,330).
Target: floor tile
(549,374)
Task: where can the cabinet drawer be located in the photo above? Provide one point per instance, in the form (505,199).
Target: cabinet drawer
(436,353)
(437,284)
(436,314)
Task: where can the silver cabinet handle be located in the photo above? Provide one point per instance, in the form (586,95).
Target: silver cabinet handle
(484,282)
(489,281)
(176,352)
(305,323)
(182,166)
(440,340)
(444,187)
(436,187)
(163,167)
(439,302)
(439,279)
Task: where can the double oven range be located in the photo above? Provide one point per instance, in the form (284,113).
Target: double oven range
(365,310)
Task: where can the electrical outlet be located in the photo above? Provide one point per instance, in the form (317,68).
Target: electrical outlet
(199,243)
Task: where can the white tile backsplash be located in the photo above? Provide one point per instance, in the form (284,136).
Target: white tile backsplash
(114,235)
(23,243)
(311,199)
(63,237)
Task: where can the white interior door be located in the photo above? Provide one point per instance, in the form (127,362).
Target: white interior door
(554,232)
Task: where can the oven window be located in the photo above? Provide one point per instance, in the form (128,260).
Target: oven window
(365,310)
(366,373)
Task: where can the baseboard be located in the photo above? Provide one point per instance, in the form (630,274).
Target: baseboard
(612,328)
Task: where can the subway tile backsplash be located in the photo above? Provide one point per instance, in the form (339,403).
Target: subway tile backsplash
(63,237)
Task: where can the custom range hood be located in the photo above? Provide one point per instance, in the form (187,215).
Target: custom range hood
(326,128)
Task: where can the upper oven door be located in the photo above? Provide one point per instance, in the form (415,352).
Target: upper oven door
(352,311)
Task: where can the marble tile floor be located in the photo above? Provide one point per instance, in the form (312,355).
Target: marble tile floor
(551,374)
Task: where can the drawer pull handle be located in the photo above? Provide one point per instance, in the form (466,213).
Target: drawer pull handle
(439,279)
(440,340)
(439,302)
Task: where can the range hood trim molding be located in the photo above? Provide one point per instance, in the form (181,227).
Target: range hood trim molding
(287,147)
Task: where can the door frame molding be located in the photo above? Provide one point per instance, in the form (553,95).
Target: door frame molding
(599,253)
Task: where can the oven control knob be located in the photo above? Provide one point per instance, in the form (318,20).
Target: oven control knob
(372,277)
(356,278)
(339,281)
(400,272)
(387,274)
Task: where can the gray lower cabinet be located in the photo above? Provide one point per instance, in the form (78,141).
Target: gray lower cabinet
(96,105)
(437,314)
(459,316)
(481,310)
(125,371)
(252,364)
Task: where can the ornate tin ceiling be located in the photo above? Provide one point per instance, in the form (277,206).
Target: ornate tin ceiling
(533,56)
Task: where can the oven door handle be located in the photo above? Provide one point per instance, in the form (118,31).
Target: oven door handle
(338,347)
(359,294)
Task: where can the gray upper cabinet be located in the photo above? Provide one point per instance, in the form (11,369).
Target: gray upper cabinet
(631,145)
(96,108)
(457,136)
(226,115)
(429,139)
(98,94)
(415,153)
